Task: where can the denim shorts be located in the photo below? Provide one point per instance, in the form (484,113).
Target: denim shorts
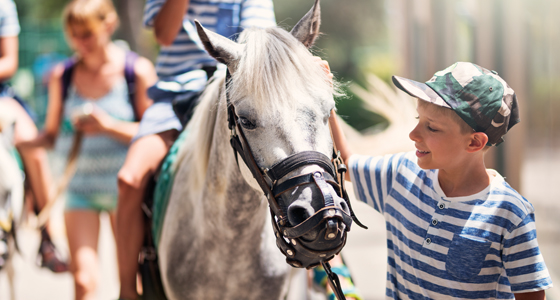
(160,116)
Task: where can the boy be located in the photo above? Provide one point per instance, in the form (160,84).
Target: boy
(454,228)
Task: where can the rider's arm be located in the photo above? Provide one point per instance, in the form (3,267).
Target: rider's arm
(340,141)
(8,57)
(169,20)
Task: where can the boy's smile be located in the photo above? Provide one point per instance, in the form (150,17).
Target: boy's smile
(439,142)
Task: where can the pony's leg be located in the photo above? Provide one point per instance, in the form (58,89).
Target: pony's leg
(10,271)
(82,229)
(142,160)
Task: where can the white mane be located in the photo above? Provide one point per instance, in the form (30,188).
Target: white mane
(274,68)
(195,150)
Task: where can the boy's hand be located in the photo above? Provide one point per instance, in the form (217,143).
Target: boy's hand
(325,65)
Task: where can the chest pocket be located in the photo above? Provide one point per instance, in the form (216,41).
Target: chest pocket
(228,19)
(466,256)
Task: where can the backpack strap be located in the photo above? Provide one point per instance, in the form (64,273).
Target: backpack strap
(130,77)
(67,76)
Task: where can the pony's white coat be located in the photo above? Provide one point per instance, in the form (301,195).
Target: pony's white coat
(11,183)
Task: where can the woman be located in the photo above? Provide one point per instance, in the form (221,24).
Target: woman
(95,100)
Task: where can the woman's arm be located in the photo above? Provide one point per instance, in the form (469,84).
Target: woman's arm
(48,136)
(8,57)
(169,20)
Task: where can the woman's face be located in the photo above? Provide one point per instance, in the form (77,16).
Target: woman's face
(87,40)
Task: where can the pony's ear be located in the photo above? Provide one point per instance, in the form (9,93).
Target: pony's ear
(221,48)
(307,29)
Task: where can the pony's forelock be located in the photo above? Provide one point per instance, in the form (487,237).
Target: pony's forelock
(275,70)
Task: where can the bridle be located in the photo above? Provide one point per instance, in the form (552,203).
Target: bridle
(299,252)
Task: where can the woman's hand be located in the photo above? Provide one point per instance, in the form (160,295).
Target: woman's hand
(93,120)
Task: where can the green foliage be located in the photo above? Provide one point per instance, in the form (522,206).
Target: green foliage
(354,42)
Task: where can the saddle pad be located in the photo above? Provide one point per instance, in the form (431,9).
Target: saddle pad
(163,187)
(16,155)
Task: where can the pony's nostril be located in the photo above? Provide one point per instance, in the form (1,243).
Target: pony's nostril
(344,206)
(297,214)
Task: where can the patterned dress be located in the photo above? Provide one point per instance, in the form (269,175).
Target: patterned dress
(94,185)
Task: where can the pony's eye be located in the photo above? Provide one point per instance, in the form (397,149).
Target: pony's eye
(246,123)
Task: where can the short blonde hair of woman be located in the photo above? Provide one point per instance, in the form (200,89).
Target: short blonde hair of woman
(90,14)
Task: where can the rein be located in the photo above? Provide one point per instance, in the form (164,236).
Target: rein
(300,253)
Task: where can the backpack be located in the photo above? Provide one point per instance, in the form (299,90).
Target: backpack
(130,59)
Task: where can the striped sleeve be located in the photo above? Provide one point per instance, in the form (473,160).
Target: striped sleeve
(9,23)
(257,13)
(523,260)
(151,9)
(373,177)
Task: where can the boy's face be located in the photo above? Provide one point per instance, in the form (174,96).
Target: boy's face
(439,142)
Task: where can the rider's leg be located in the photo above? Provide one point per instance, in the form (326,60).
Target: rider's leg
(82,228)
(142,160)
(38,173)
(34,159)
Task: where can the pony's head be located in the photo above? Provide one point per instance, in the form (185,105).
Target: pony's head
(279,103)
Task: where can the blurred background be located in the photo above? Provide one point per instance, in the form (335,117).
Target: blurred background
(411,38)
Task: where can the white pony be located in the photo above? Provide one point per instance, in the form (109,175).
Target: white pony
(11,195)
(216,239)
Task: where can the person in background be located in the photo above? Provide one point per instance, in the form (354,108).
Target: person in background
(454,228)
(102,93)
(34,159)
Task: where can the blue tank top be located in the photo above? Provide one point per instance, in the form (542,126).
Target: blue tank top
(101,156)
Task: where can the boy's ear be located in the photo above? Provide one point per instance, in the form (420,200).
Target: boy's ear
(478,141)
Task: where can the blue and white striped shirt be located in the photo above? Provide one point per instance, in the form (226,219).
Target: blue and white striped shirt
(226,17)
(9,24)
(482,246)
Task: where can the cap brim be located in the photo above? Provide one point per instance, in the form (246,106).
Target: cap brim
(419,90)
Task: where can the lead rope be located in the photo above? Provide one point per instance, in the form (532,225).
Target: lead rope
(333,281)
(69,170)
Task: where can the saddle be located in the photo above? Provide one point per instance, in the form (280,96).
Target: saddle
(148,259)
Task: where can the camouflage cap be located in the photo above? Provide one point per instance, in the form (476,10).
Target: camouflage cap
(479,96)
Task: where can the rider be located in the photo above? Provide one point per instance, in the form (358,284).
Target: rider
(35,159)
(183,67)
(94,99)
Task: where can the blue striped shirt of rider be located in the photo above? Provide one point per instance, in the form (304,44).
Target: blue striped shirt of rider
(225,17)
(477,247)
(9,23)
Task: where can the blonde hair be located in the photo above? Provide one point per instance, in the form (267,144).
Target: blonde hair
(464,127)
(90,14)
